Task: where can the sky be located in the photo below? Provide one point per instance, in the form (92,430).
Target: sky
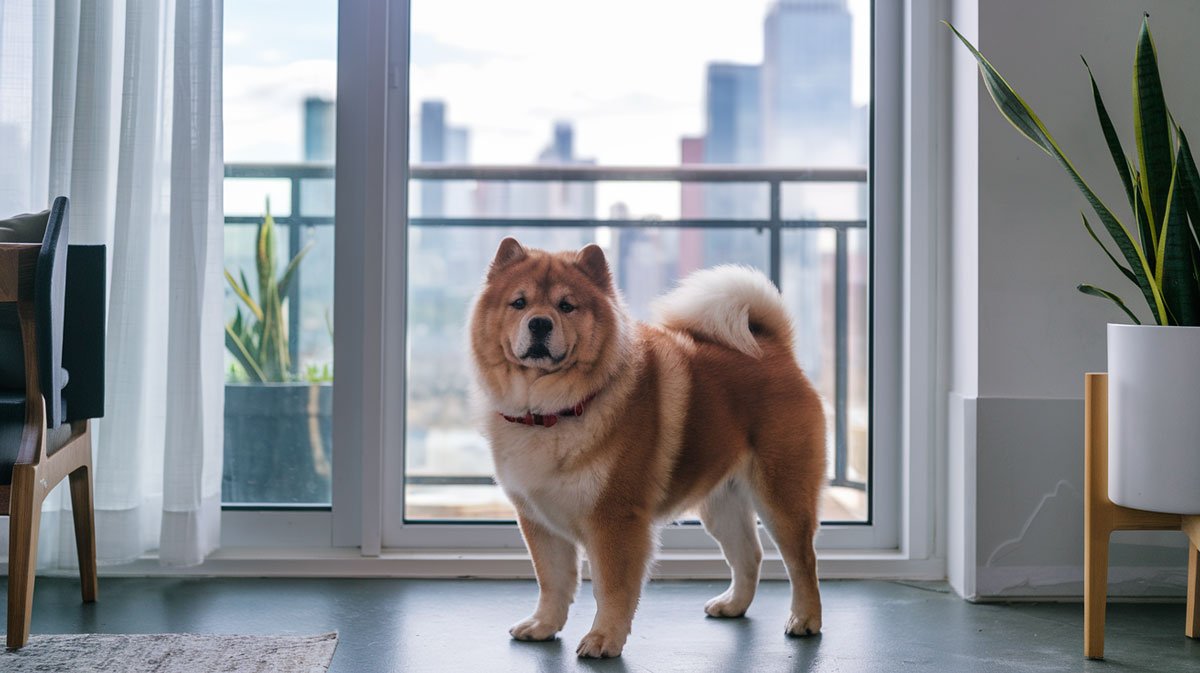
(628,73)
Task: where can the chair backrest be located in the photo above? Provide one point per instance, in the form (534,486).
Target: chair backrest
(48,288)
(83,331)
(49,298)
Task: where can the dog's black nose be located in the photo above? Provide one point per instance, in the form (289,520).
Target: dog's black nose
(540,327)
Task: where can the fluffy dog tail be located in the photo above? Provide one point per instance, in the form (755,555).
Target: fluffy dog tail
(736,306)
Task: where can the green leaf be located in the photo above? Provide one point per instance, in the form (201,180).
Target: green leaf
(238,326)
(1110,137)
(272,349)
(243,356)
(261,337)
(1148,234)
(1124,270)
(244,295)
(285,281)
(1022,117)
(1177,276)
(1192,179)
(245,283)
(1097,292)
(265,256)
(1152,130)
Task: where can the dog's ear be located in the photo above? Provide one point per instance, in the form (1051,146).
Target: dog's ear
(510,251)
(591,262)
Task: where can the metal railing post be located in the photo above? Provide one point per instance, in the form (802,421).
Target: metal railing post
(776,234)
(293,298)
(841,336)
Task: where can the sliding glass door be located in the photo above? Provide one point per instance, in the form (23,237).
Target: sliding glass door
(677,136)
(280,143)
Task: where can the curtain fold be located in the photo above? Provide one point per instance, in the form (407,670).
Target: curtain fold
(195,370)
(118,106)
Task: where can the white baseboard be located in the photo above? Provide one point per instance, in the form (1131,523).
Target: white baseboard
(348,563)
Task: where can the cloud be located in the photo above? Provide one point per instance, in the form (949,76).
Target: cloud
(263,107)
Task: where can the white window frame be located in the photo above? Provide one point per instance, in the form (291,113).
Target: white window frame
(370,297)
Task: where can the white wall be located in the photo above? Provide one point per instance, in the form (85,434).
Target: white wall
(1022,336)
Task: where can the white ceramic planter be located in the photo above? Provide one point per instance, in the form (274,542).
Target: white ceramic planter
(1154,417)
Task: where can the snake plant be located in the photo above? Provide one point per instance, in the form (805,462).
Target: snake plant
(1160,252)
(258,339)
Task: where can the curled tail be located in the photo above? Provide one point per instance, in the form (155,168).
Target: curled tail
(736,306)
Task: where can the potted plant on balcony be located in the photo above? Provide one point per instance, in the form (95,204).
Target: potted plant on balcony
(278,428)
(1153,369)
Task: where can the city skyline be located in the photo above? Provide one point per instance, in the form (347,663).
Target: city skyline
(636,82)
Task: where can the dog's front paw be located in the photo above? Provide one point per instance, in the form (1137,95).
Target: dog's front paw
(803,624)
(534,628)
(598,644)
(726,605)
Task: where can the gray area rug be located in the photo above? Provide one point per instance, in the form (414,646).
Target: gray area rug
(171,653)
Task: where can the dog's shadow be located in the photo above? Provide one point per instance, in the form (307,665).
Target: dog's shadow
(747,638)
(553,656)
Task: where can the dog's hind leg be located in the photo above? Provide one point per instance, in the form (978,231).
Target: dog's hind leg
(787,487)
(728,516)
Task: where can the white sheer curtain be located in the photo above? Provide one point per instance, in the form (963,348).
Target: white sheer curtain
(118,106)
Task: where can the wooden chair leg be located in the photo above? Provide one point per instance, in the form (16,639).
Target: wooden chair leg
(1192,629)
(85,529)
(1095,592)
(25,513)
(1097,514)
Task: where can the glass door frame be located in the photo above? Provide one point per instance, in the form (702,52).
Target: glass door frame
(372,209)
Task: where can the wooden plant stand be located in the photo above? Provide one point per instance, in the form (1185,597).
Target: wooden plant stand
(1101,517)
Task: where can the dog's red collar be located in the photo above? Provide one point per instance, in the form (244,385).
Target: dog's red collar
(548,420)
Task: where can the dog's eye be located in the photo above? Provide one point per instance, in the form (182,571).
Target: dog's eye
(565,306)
(520,303)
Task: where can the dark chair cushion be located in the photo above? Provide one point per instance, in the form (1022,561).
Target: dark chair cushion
(25,228)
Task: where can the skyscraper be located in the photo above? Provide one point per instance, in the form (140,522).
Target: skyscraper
(691,207)
(733,114)
(563,147)
(809,120)
(319,129)
(433,151)
(457,196)
(733,135)
(806,80)
(320,143)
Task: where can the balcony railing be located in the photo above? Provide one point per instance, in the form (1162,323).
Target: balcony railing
(774,224)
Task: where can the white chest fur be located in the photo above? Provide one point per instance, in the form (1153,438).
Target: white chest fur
(544,472)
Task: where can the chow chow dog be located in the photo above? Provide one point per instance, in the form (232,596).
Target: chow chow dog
(604,428)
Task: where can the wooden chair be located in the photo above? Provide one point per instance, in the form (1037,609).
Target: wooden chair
(1101,517)
(51,383)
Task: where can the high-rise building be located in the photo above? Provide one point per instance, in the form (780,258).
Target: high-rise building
(564,141)
(457,196)
(806,82)
(691,207)
(320,143)
(733,135)
(555,199)
(733,114)
(319,129)
(809,120)
(433,151)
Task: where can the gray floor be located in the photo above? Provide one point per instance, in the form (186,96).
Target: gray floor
(461,625)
